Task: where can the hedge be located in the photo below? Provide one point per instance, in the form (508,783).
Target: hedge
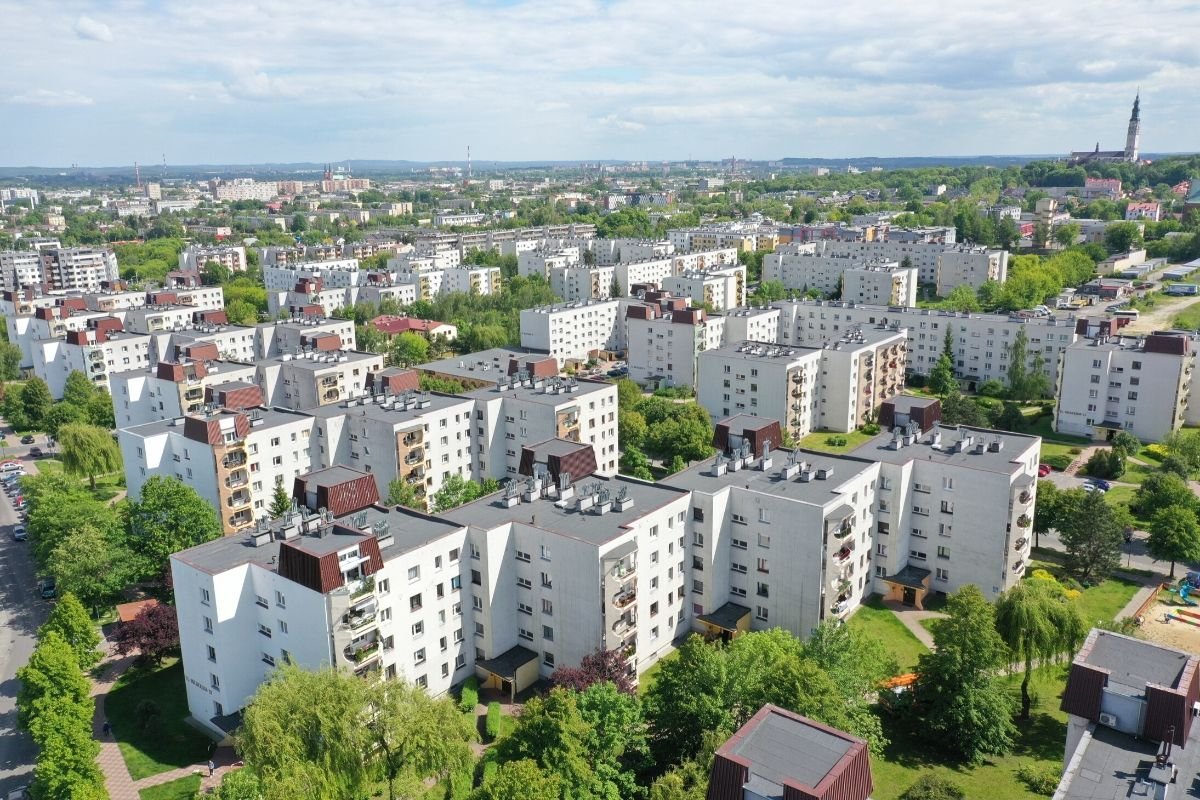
(492,727)
(469,695)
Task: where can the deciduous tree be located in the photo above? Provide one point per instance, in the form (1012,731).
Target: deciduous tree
(88,451)
(599,666)
(168,517)
(520,780)
(1175,535)
(51,678)
(153,633)
(70,620)
(688,697)
(1092,537)
(1039,623)
(403,493)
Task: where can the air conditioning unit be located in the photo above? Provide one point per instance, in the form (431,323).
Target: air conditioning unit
(1108,719)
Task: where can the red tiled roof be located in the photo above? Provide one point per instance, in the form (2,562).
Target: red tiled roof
(392,324)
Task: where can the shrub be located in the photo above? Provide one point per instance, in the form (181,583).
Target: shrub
(1058,461)
(992,388)
(492,727)
(469,695)
(836,441)
(931,786)
(871,428)
(934,787)
(147,714)
(1156,452)
(1105,464)
(1075,451)
(1040,779)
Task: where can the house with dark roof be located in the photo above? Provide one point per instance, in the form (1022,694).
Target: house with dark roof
(780,755)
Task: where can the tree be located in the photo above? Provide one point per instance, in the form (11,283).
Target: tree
(958,409)
(299,223)
(92,565)
(78,390)
(616,738)
(1126,444)
(1066,235)
(214,273)
(241,312)
(856,664)
(633,462)
(1017,371)
(153,633)
(58,505)
(963,700)
(35,402)
(281,501)
(457,490)
(415,736)
(168,517)
(10,361)
(409,348)
(1092,537)
(240,784)
(403,493)
(931,786)
(305,735)
(631,428)
(551,732)
(66,763)
(962,298)
(686,699)
(519,780)
(1039,623)
(1122,237)
(1105,464)
(61,415)
(88,451)
(1160,490)
(70,621)
(599,666)
(1185,447)
(51,678)
(1054,505)
(941,378)
(1175,535)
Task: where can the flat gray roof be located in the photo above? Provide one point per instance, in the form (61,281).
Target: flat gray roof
(409,529)
(1110,763)
(780,748)
(483,365)
(270,418)
(314,364)
(817,492)
(587,527)
(373,410)
(879,449)
(535,394)
(1133,663)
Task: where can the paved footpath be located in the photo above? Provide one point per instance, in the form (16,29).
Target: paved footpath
(911,617)
(120,784)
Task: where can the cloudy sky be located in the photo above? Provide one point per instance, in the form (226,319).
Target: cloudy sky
(241,81)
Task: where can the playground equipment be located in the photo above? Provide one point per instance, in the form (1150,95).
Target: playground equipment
(1183,590)
(1175,618)
(1189,614)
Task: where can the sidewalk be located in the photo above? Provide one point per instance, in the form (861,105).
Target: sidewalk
(118,781)
(911,617)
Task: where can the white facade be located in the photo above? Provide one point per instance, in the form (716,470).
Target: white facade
(80,268)
(890,285)
(1138,385)
(572,331)
(20,268)
(665,350)
(717,288)
(819,264)
(196,256)
(55,359)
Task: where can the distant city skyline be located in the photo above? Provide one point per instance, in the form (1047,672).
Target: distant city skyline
(108,83)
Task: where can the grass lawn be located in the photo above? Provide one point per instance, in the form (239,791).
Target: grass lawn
(1136,472)
(1058,455)
(878,622)
(181,789)
(1039,741)
(1100,602)
(817,441)
(927,624)
(1044,427)
(1121,496)
(175,743)
(646,679)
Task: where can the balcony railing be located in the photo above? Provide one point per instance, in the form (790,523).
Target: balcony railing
(234,460)
(360,621)
(623,624)
(624,599)
(411,438)
(236,483)
(415,457)
(360,653)
(239,500)
(362,588)
(624,572)
(1025,496)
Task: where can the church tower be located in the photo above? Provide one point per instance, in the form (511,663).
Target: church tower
(1134,136)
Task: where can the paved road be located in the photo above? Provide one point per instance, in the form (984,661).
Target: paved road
(21,613)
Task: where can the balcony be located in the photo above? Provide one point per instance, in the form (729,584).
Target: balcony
(1020,544)
(193,394)
(362,651)
(331,395)
(361,588)
(624,623)
(238,499)
(241,519)
(624,599)
(356,621)
(1025,496)
(234,460)
(330,380)
(1024,521)
(414,437)
(236,482)
(843,555)
(415,457)
(624,571)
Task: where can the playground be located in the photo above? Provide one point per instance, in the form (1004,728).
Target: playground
(1175,619)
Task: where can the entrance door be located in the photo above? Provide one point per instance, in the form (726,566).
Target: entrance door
(506,688)
(910,596)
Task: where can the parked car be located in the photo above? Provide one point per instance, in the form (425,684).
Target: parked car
(20,534)
(28,439)
(46,588)
(35,452)
(1043,470)
(10,466)
(1091,487)
(20,793)
(1100,483)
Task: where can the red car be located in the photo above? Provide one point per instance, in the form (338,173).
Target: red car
(1043,470)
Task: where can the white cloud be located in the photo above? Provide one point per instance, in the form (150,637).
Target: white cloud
(615,123)
(51,98)
(88,28)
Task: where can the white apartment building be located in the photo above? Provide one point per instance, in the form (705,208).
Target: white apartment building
(96,352)
(544,262)
(472,280)
(889,285)
(964,265)
(196,256)
(838,386)
(83,268)
(519,410)
(981,340)
(171,389)
(232,458)
(663,349)
(572,331)
(315,378)
(1112,383)
(450,220)
(816,264)
(20,268)
(244,189)
(751,324)
(580,282)
(652,272)
(717,288)
(335,273)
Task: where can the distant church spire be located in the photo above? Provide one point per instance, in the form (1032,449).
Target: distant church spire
(1133,137)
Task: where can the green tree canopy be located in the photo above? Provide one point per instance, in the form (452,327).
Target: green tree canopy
(1039,623)
(88,451)
(1092,537)
(1175,535)
(92,564)
(51,678)
(520,780)
(70,621)
(169,516)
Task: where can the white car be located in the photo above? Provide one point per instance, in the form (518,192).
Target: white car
(1091,487)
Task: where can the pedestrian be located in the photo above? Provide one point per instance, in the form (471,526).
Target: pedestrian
(106,728)
(211,767)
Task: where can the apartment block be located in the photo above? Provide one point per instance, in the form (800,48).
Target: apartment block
(173,389)
(195,257)
(96,351)
(889,285)
(522,409)
(85,268)
(579,282)
(243,189)
(232,458)
(472,280)
(572,332)
(19,269)
(751,324)
(487,367)
(716,288)
(316,378)
(838,386)
(1112,383)
(664,341)
(981,341)
(634,273)
(946,266)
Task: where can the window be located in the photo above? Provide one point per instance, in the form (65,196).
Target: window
(697,563)
(414,573)
(916,554)
(545,553)
(698,539)
(740,544)
(738,518)
(548,633)
(454,555)
(280,600)
(525,608)
(763,516)
(943,575)
(455,583)
(548,659)
(525,583)
(525,633)
(212,653)
(268,659)
(763,590)
(523,556)
(458,635)
(764,540)
(476,577)
(763,566)
(214,681)
(1136,365)
(418,628)
(208,628)
(760,612)
(697,514)
(548,608)
(546,582)
(282,627)
(422,680)
(479,629)
(943,552)
(654,609)
(265,630)
(205,597)
(419,656)
(698,587)
(384,586)
(736,567)
(477,603)
(414,603)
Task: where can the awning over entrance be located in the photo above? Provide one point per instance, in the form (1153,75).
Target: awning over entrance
(909,586)
(730,620)
(511,672)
